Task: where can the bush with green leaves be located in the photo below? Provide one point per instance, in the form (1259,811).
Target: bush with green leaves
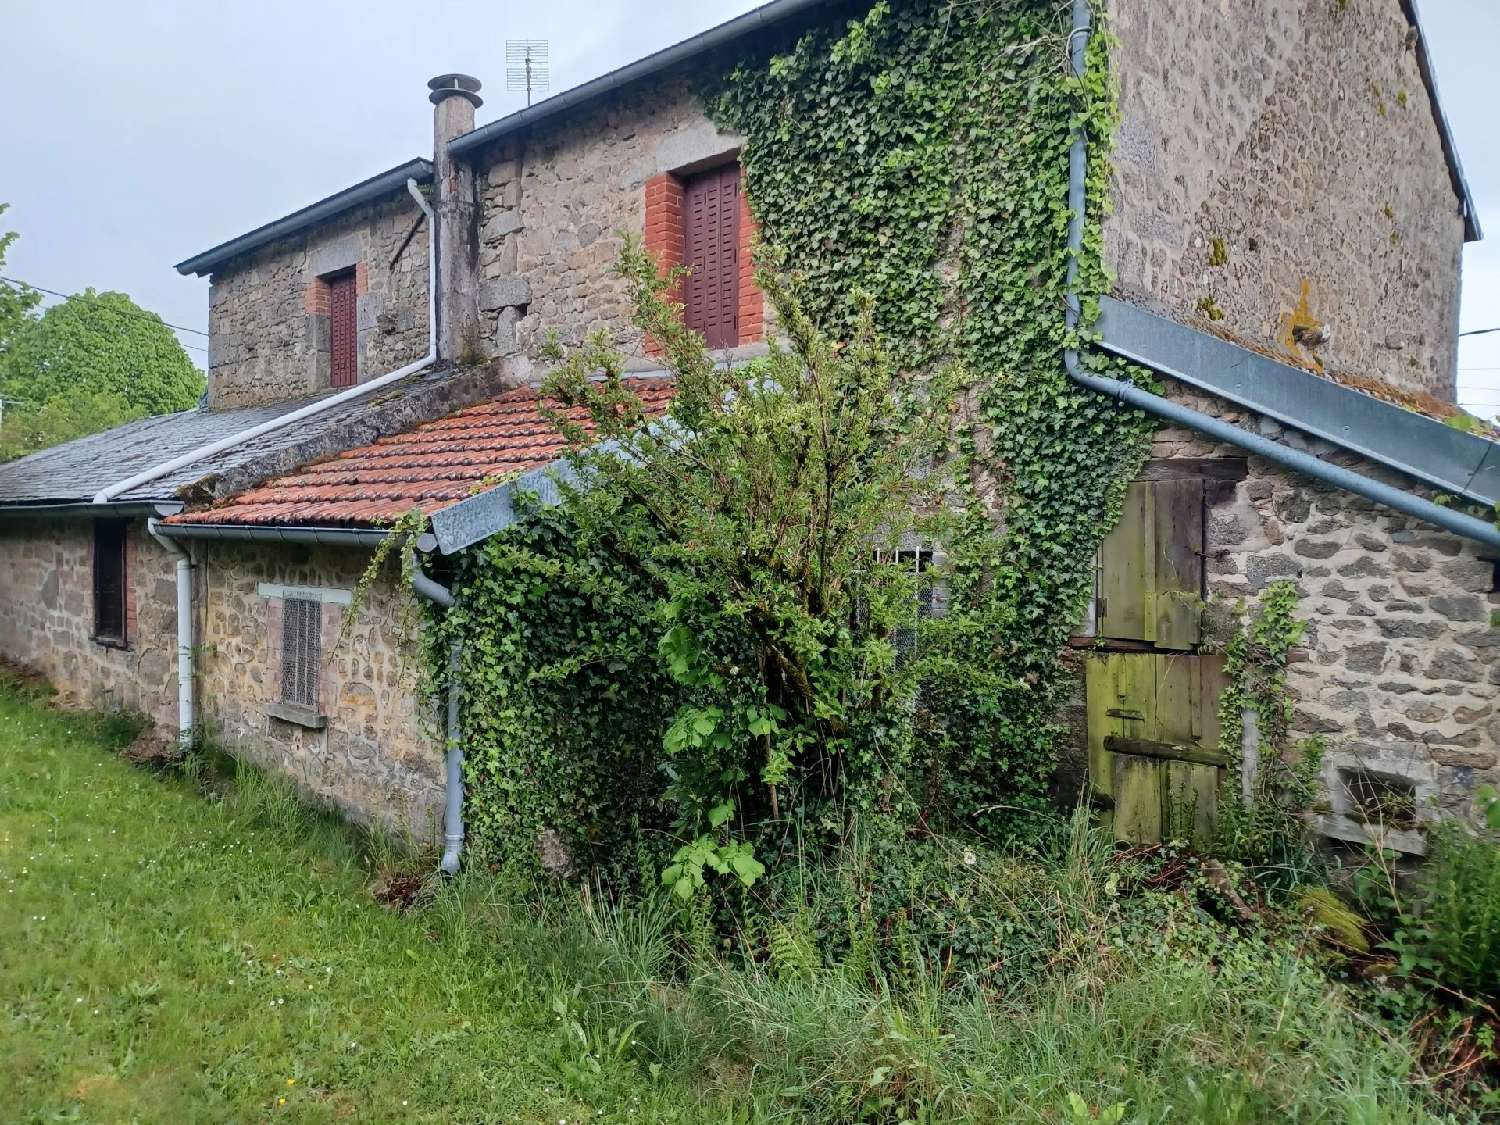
(915,224)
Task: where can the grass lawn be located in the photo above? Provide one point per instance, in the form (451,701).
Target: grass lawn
(168,957)
(212,951)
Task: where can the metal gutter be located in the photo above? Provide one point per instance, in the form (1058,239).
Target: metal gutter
(453,809)
(1463,464)
(325,536)
(1396,499)
(478,517)
(87,509)
(381,184)
(766,16)
(184,632)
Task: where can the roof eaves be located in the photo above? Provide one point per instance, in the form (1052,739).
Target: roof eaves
(1472,231)
(377,186)
(758,19)
(778,10)
(1445,458)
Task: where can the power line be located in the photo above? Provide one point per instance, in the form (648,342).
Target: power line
(86,297)
(1479,331)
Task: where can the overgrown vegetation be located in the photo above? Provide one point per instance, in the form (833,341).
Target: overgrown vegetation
(1264,804)
(736,597)
(209,950)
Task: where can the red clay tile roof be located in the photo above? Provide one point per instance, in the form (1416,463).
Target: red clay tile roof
(429,467)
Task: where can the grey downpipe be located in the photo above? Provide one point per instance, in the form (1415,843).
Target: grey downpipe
(453,813)
(108,493)
(184,632)
(1394,498)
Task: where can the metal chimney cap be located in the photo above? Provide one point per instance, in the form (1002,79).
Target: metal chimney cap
(455,86)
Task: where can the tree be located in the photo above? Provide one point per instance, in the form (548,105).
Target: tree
(765,516)
(100,344)
(29,427)
(16,301)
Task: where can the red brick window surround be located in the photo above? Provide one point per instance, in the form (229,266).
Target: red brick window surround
(703,221)
(336,296)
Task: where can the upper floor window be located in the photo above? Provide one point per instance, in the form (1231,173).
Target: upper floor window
(701,221)
(343,363)
(109,581)
(710,250)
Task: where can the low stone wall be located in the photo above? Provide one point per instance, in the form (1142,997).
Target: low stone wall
(379,756)
(47,617)
(268,326)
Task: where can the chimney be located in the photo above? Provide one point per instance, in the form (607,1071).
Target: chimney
(455,97)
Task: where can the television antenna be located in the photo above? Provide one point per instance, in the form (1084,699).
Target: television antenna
(526,65)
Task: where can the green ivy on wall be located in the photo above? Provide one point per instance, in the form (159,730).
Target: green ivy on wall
(921,156)
(911,167)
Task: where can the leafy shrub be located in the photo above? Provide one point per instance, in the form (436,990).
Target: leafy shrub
(1456,928)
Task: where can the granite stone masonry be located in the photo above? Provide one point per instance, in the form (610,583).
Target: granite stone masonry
(1399,671)
(377,755)
(553,210)
(47,617)
(1279,177)
(268,322)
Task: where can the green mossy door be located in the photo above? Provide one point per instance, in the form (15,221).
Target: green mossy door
(1153,710)
(1153,732)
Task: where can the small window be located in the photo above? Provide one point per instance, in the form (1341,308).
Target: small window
(109,581)
(931,594)
(301,651)
(1380,799)
(343,369)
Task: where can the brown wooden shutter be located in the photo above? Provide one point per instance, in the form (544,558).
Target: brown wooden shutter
(109,580)
(1151,566)
(711,228)
(344,364)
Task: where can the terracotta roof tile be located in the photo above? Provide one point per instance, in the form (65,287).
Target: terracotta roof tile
(429,466)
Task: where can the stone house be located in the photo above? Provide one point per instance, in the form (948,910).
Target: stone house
(1286,251)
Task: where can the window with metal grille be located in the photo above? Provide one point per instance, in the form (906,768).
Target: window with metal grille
(301,651)
(109,581)
(931,594)
(343,330)
(711,239)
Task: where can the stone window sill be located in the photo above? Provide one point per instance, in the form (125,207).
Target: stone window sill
(111,642)
(299,716)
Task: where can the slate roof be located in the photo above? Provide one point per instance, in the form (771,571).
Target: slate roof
(430,466)
(73,472)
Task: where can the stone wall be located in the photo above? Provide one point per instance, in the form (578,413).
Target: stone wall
(379,755)
(553,209)
(1278,175)
(269,329)
(1399,671)
(47,617)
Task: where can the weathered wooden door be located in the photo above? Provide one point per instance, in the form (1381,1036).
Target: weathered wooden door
(1153,728)
(1153,733)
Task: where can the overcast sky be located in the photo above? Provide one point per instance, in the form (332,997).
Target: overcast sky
(137,134)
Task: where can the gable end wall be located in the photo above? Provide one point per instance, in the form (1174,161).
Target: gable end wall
(1278,168)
